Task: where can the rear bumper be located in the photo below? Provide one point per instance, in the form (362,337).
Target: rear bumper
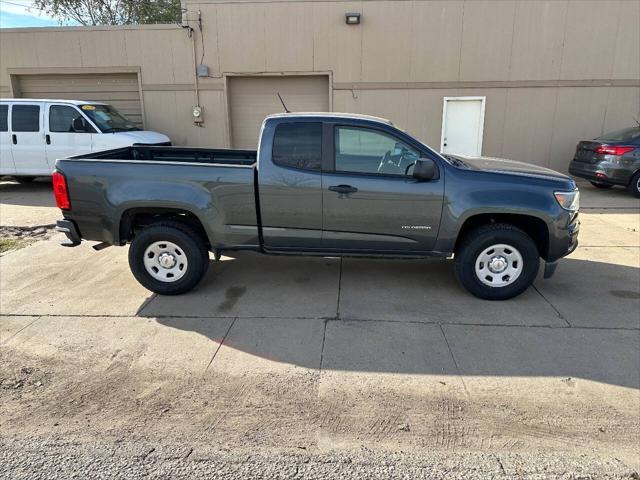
(69,228)
(602,172)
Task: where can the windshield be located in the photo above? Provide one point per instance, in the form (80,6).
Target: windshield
(108,119)
(624,135)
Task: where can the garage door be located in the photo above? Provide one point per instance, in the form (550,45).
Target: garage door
(118,89)
(253,98)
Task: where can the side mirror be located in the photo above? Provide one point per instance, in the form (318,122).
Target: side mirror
(425,169)
(79,125)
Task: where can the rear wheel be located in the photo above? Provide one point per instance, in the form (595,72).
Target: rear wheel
(168,258)
(497,262)
(634,185)
(601,185)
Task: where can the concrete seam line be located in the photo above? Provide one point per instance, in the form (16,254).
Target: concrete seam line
(453,357)
(324,335)
(552,306)
(221,342)
(468,324)
(339,290)
(23,328)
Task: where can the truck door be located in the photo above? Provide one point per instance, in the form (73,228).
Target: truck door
(289,184)
(370,200)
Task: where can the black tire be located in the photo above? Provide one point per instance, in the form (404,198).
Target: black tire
(187,239)
(604,186)
(480,239)
(634,185)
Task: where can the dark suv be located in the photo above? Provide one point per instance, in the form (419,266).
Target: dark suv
(612,159)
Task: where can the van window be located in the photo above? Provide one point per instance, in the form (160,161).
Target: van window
(25,118)
(61,119)
(298,145)
(4,121)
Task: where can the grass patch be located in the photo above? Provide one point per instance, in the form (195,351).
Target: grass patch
(9,243)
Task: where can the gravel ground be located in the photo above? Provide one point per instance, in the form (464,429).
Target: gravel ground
(36,459)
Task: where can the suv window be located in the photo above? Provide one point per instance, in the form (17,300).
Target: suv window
(25,118)
(4,120)
(61,119)
(298,145)
(362,150)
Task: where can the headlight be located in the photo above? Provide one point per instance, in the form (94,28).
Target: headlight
(568,200)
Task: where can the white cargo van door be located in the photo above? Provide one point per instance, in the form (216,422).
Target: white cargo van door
(27,139)
(67,133)
(6,158)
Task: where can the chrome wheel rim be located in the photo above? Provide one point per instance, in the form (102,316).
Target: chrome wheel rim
(499,265)
(165,261)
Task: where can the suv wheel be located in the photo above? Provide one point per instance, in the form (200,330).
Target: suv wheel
(634,185)
(497,262)
(168,258)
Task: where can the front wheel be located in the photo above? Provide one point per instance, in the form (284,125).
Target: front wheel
(168,258)
(497,262)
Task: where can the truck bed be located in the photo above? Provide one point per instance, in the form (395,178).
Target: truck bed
(215,185)
(175,154)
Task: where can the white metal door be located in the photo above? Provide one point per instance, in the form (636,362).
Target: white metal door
(6,157)
(27,139)
(61,139)
(462,125)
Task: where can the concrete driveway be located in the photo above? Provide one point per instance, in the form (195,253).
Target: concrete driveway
(322,358)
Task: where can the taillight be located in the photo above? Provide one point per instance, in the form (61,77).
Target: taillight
(614,149)
(60,191)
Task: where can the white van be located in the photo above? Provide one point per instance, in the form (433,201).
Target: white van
(35,133)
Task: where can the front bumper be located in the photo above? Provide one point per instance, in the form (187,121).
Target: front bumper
(69,228)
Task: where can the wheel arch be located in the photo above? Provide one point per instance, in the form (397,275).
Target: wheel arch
(134,219)
(533,226)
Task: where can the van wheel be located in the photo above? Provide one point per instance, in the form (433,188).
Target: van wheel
(634,185)
(497,262)
(24,179)
(168,258)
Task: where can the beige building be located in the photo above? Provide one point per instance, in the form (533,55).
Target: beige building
(515,79)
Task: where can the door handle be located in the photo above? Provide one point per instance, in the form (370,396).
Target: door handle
(343,189)
(14,139)
(47,138)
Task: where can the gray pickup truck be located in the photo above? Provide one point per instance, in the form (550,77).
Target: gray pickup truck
(320,184)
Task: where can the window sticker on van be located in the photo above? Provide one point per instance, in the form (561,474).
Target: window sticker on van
(88,107)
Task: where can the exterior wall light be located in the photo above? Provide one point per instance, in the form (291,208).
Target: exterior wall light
(352,18)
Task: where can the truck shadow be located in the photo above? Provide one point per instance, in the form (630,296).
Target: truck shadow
(411,317)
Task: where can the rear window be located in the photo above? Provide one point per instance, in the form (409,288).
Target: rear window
(624,135)
(4,121)
(298,145)
(25,118)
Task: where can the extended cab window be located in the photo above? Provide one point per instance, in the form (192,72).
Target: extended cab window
(25,118)
(298,145)
(4,120)
(362,150)
(66,119)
